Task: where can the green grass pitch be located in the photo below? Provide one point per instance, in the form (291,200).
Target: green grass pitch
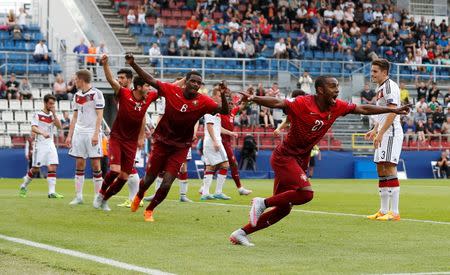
(193,238)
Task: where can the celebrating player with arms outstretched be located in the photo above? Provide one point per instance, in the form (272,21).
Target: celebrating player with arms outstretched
(173,134)
(310,116)
(126,134)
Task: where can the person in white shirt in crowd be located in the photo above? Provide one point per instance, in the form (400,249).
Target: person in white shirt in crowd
(183,45)
(279,50)
(304,82)
(41,52)
(239,47)
(131,18)
(311,37)
(154,52)
(21,19)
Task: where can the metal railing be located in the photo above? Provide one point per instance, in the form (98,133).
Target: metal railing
(410,142)
(23,63)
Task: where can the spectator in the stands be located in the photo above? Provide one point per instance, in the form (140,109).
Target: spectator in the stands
(433,91)
(279,50)
(433,104)
(249,49)
(191,25)
(10,20)
(141,19)
(239,47)
(421,88)
(323,40)
(447,98)
(172,46)
(445,128)
(81,50)
(438,117)
(154,52)
(91,59)
(41,52)
(71,87)
(430,129)
(65,123)
(312,37)
(158,28)
(2,88)
(265,117)
(260,47)
(12,87)
(404,94)
(304,82)
(368,96)
(444,165)
(205,47)
(422,104)
(22,19)
(25,89)
(60,88)
(183,45)
(265,29)
(420,115)
(409,129)
(131,18)
(101,49)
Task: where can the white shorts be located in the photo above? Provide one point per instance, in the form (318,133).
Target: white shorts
(82,146)
(390,149)
(45,154)
(189,154)
(213,157)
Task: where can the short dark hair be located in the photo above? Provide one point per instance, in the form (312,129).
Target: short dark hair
(47,97)
(382,63)
(296,93)
(84,75)
(188,75)
(138,81)
(321,81)
(127,72)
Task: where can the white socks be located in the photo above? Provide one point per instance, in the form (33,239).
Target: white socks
(79,182)
(51,184)
(220,182)
(394,193)
(207,180)
(183,187)
(133,185)
(384,195)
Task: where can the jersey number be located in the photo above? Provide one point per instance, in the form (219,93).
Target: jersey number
(184,108)
(317,126)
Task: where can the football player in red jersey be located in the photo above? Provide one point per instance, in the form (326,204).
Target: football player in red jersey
(173,135)
(227,121)
(310,116)
(127,133)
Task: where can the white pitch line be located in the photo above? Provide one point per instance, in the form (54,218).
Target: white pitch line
(419,273)
(85,256)
(321,212)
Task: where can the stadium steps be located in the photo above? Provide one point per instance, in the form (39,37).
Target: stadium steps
(117,24)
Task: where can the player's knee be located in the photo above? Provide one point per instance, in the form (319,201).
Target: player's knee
(123,175)
(308,195)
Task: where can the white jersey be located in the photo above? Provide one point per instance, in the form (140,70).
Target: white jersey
(44,122)
(161,106)
(389,93)
(215,120)
(86,103)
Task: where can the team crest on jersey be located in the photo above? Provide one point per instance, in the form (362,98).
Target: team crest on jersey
(195,102)
(138,106)
(380,94)
(83,99)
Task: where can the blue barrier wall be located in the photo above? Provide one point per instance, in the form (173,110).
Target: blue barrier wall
(333,164)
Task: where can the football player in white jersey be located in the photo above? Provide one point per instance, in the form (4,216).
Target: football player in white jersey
(387,136)
(84,138)
(44,154)
(214,154)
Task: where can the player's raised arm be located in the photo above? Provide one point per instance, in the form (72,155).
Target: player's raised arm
(267,101)
(375,110)
(148,78)
(109,75)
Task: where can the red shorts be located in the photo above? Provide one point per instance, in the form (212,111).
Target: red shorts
(166,158)
(289,172)
(229,150)
(122,153)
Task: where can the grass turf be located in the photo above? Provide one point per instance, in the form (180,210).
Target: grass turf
(193,238)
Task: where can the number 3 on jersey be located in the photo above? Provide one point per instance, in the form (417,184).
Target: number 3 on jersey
(317,125)
(184,108)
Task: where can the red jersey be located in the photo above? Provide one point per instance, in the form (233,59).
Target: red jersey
(176,126)
(227,122)
(309,124)
(128,122)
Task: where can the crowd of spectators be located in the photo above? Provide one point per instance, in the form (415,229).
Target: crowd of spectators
(360,29)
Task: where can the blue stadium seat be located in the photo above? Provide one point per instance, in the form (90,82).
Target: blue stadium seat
(318,55)
(308,55)
(329,55)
